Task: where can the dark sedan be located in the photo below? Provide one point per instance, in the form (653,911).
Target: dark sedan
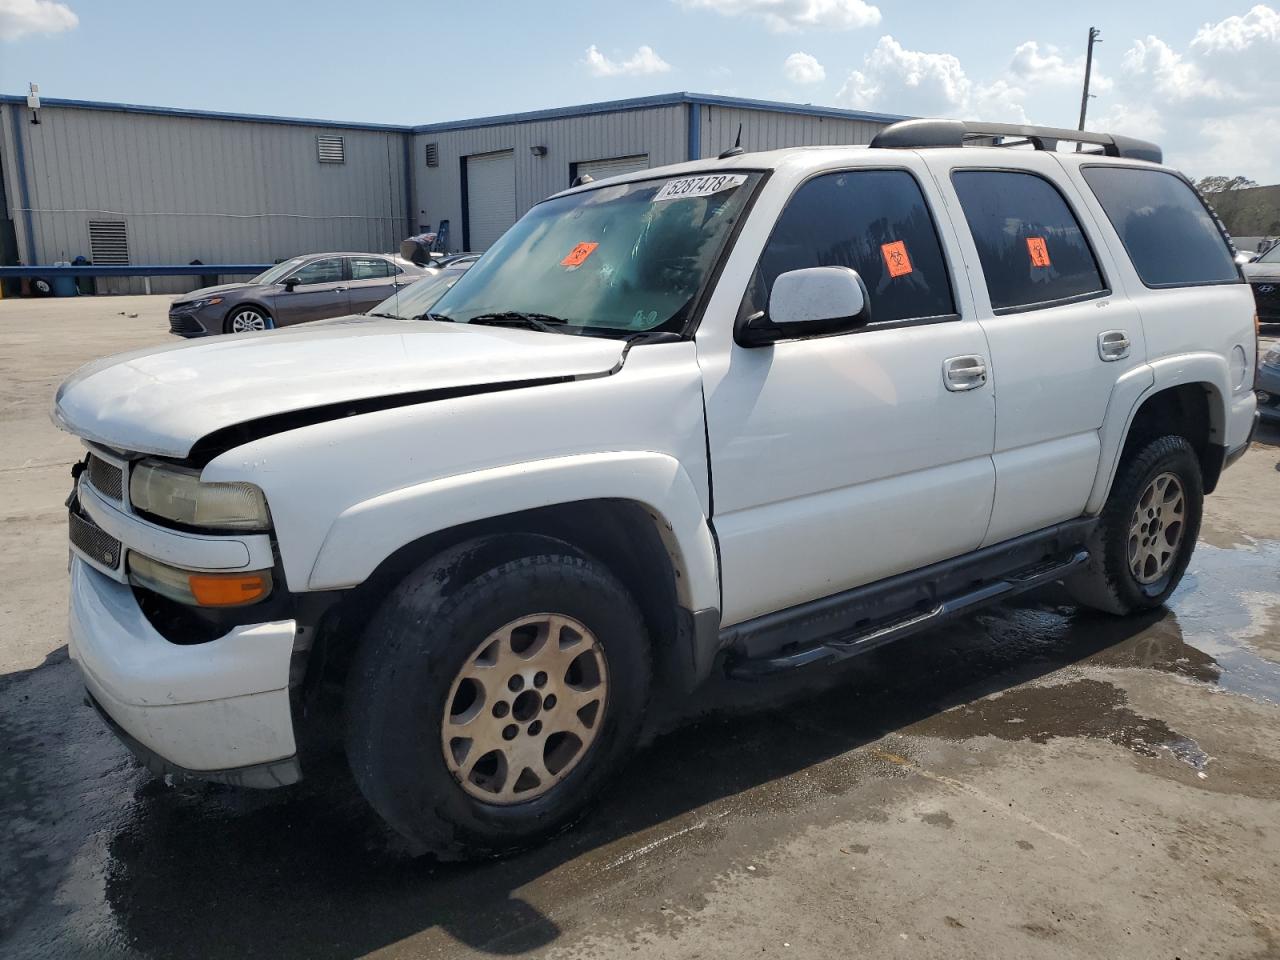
(313,287)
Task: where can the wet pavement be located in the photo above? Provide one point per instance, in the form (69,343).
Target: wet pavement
(1031,781)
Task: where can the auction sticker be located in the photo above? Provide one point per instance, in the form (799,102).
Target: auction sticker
(896,259)
(687,187)
(578,255)
(1039,251)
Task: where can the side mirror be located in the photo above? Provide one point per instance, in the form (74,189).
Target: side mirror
(814,301)
(290,283)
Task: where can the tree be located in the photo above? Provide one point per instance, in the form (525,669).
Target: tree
(1223,184)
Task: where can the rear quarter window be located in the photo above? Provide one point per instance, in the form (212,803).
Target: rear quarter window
(1166,229)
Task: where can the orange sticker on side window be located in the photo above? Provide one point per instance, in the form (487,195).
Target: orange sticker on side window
(896,260)
(1039,251)
(578,255)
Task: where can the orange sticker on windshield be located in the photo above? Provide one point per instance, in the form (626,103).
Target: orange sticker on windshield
(578,255)
(1039,251)
(896,260)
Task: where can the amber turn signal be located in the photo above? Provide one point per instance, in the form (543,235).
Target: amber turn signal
(229,590)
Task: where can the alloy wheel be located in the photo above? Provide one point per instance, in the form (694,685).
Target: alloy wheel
(1156,528)
(525,708)
(247,320)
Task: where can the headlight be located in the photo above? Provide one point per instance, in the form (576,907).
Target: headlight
(176,494)
(206,302)
(197,588)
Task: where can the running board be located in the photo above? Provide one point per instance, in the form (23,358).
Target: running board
(840,648)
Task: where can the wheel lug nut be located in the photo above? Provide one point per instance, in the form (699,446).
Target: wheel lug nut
(549,702)
(540,679)
(535,728)
(510,731)
(501,709)
(515,683)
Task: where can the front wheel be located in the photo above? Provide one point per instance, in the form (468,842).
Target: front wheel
(493,693)
(248,320)
(1147,531)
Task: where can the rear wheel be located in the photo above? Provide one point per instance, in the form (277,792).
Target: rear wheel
(493,693)
(248,320)
(1147,531)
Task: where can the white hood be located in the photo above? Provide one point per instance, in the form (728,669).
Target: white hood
(162,401)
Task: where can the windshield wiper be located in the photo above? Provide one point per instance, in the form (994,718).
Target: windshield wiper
(517,318)
(390,316)
(439,317)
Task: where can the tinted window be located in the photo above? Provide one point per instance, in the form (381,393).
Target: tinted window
(1029,242)
(369,268)
(874,221)
(1169,234)
(321,271)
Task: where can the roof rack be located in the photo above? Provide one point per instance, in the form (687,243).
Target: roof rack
(922,134)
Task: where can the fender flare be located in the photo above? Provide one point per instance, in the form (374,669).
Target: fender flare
(366,533)
(1139,384)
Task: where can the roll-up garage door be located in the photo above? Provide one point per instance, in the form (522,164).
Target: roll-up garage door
(612,167)
(491,197)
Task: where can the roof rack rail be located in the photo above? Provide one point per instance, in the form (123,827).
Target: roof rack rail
(922,134)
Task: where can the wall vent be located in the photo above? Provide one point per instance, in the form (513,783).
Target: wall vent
(433,154)
(331,150)
(108,243)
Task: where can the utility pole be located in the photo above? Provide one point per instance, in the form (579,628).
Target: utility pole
(1095,36)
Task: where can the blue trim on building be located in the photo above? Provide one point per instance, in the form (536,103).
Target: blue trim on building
(20,171)
(205,114)
(581,110)
(661,100)
(139,270)
(694,141)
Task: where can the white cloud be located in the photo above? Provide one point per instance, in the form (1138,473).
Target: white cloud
(18,18)
(643,61)
(1034,64)
(803,68)
(907,81)
(784,16)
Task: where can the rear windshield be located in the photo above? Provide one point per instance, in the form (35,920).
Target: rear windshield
(1167,230)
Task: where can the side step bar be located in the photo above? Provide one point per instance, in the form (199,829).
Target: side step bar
(843,647)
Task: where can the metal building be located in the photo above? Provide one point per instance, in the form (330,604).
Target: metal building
(119,183)
(480,175)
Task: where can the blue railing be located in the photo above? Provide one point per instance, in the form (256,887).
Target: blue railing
(139,270)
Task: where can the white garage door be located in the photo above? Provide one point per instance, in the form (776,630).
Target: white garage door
(491,197)
(613,167)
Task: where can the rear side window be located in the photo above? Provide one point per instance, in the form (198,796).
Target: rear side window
(1169,234)
(874,221)
(369,268)
(1032,249)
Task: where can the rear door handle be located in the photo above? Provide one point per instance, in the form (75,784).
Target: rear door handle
(964,373)
(1113,345)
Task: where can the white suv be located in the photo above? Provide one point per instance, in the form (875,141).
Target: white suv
(752,414)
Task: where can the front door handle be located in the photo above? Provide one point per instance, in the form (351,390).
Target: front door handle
(964,373)
(1113,345)
(339,289)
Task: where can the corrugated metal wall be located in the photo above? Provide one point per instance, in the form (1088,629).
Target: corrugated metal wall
(769,130)
(660,132)
(203,188)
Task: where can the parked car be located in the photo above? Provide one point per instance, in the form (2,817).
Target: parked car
(750,414)
(417,299)
(1263,274)
(313,287)
(1267,384)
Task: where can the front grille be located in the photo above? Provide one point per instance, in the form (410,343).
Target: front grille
(106,478)
(184,324)
(1266,293)
(94,542)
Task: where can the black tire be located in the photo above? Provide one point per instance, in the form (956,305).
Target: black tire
(1107,583)
(229,322)
(40,287)
(423,634)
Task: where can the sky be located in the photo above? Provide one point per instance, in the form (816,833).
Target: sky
(1199,78)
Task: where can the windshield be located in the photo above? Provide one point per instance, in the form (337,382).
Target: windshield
(416,299)
(619,259)
(279,271)
(1271,256)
